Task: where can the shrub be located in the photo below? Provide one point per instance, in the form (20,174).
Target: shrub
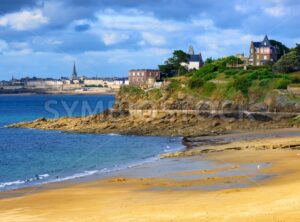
(195,82)
(289,62)
(295,79)
(280,83)
(174,85)
(231,72)
(208,88)
(207,69)
(156,94)
(242,84)
(264,82)
(132,90)
(210,76)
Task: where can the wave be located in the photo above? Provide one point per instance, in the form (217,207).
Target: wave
(74,176)
(40,179)
(46,178)
(4,185)
(113,134)
(17,182)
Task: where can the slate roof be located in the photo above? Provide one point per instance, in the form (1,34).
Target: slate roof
(194,58)
(265,42)
(257,44)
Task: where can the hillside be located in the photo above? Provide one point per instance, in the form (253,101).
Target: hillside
(217,87)
(213,100)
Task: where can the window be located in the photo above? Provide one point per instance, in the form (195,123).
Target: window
(133,74)
(265,57)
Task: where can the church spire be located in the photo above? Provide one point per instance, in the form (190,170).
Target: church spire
(191,50)
(74,75)
(266,41)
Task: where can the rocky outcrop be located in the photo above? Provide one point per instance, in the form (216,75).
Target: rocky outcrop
(177,114)
(163,122)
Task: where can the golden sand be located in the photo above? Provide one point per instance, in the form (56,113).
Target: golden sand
(125,199)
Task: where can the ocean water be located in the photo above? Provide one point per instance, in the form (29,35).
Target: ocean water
(30,157)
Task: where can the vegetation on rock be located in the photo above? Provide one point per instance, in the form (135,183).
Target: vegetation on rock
(172,66)
(218,81)
(289,62)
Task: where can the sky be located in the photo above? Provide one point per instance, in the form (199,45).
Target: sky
(109,37)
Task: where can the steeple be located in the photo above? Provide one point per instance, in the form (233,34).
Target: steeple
(191,50)
(266,41)
(74,75)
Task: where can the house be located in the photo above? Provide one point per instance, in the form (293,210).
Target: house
(194,61)
(242,57)
(44,84)
(143,77)
(93,82)
(262,53)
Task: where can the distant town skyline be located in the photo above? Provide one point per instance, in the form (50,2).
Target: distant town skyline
(109,37)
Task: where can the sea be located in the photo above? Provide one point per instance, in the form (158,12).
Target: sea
(30,157)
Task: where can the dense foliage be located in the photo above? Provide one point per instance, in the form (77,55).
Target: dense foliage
(281,48)
(215,77)
(289,62)
(221,79)
(172,66)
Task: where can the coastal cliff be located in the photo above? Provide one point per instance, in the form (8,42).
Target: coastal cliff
(163,112)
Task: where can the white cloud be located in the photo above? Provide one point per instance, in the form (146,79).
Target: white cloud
(134,20)
(3,46)
(24,20)
(129,57)
(14,48)
(44,40)
(241,8)
(232,41)
(19,45)
(204,23)
(153,39)
(276,11)
(111,38)
(116,27)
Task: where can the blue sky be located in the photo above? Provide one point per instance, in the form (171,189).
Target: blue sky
(108,37)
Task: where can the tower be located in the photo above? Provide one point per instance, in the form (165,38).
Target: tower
(191,50)
(74,74)
(266,41)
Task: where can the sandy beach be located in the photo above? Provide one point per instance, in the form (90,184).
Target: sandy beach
(183,194)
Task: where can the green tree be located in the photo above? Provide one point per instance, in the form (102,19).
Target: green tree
(282,49)
(232,60)
(209,60)
(172,66)
(289,62)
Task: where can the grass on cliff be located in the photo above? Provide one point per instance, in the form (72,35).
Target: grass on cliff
(215,81)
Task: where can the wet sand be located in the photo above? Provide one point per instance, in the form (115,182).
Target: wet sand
(178,190)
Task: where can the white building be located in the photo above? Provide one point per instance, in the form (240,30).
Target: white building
(194,61)
(41,84)
(94,82)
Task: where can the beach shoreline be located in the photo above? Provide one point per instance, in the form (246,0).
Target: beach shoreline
(130,195)
(59,93)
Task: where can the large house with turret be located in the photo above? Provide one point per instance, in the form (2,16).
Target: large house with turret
(262,53)
(194,61)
